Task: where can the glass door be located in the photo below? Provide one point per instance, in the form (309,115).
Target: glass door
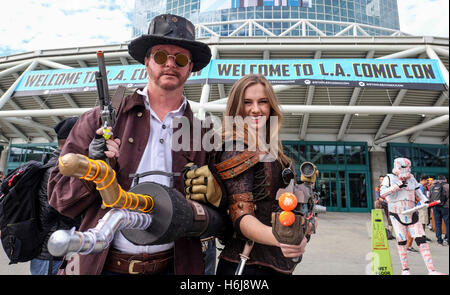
(327,188)
(357,188)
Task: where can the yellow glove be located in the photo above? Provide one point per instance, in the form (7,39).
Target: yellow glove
(200,185)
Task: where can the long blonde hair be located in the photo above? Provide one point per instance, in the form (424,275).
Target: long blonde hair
(235,107)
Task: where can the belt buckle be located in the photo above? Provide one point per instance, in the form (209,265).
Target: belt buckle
(131,266)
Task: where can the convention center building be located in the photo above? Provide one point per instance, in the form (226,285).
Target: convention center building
(355,90)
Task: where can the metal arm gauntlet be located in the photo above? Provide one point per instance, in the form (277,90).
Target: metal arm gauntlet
(105,178)
(94,240)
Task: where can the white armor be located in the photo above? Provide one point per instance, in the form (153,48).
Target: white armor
(400,190)
(401,199)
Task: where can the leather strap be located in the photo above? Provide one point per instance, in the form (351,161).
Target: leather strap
(238,164)
(117,97)
(143,263)
(240,205)
(235,161)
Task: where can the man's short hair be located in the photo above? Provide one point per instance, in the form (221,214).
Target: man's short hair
(424,177)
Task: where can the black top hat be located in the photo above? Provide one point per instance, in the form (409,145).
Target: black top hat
(174,30)
(63,128)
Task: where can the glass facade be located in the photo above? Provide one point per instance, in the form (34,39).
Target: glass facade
(426,159)
(378,13)
(21,153)
(344,172)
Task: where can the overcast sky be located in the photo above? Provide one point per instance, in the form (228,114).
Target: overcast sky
(28,25)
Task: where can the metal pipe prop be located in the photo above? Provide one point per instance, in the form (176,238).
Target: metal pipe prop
(95,240)
(417,208)
(104,177)
(245,255)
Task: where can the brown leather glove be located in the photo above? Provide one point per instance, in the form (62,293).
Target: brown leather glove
(200,185)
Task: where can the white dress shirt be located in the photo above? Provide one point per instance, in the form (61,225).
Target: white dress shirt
(157,156)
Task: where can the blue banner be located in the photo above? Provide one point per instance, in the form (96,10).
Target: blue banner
(382,73)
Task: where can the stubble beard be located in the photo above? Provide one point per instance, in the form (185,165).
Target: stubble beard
(169,86)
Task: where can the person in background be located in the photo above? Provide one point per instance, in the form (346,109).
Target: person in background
(381,203)
(424,216)
(440,211)
(50,219)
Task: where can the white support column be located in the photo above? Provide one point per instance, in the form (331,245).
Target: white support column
(348,28)
(353,100)
(8,93)
(53,64)
(422,126)
(29,123)
(4,157)
(44,113)
(217,107)
(412,52)
(347,117)
(441,100)
(15,69)
(311,109)
(40,128)
(204,97)
(432,54)
(401,94)
(70,100)
(15,130)
(309,99)
(43,105)
(440,50)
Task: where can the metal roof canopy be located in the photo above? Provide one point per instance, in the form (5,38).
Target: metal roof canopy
(311,112)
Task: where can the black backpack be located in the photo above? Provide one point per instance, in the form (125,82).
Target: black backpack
(20,229)
(437,193)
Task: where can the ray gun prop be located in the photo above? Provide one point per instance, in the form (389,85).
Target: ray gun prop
(298,208)
(148,214)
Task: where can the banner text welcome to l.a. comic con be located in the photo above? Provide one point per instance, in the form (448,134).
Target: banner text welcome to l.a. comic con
(422,74)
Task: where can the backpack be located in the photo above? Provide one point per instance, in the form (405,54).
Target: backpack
(437,193)
(20,229)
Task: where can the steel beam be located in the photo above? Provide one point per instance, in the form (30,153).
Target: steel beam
(441,100)
(309,99)
(353,100)
(422,126)
(8,93)
(401,94)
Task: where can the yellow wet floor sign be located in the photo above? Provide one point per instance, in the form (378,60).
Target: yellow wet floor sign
(381,257)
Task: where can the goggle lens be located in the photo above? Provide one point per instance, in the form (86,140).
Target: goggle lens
(161,57)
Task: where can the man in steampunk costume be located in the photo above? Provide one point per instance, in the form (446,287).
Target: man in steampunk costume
(143,142)
(400,190)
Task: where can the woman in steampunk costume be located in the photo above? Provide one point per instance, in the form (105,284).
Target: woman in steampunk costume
(252,179)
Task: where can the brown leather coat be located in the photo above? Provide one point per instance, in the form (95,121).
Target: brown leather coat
(73,197)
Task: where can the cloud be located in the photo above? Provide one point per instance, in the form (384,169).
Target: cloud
(424,17)
(28,25)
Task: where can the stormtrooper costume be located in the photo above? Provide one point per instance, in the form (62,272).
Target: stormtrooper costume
(400,190)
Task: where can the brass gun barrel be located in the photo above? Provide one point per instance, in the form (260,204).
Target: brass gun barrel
(99,172)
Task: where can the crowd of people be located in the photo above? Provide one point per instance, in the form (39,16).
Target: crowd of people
(241,184)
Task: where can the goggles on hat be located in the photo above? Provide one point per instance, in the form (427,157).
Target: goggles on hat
(161,57)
